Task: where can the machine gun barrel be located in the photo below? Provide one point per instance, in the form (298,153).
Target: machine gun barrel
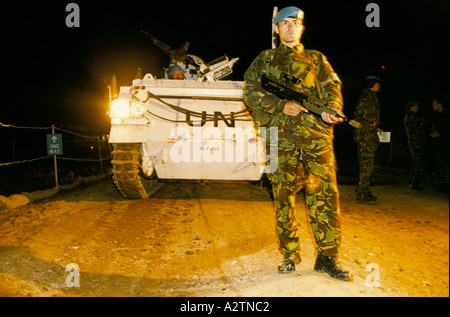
(311,103)
(166,48)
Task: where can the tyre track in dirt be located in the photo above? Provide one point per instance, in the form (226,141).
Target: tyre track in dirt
(214,239)
(154,247)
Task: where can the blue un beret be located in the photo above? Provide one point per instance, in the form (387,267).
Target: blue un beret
(174,68)
(292,12)
(372,77)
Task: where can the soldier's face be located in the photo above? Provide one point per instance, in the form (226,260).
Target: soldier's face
(290,30)
(177,75)
(437,106)
(377,87)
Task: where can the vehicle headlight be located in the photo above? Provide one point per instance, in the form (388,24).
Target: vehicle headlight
(120,108)
(137,109)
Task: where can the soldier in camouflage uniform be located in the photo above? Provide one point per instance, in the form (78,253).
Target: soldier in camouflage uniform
(439,139)
(303,138)
(416,132)
(367,112)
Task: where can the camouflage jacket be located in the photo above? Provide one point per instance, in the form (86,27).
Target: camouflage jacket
(416,130)
(440,124)
(367,112)
(317,77)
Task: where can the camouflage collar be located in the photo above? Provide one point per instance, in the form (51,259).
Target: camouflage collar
(297,49)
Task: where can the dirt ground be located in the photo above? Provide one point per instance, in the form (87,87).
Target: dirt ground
(217,240)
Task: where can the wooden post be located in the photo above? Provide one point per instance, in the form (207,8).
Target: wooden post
(100,155)
(55,162)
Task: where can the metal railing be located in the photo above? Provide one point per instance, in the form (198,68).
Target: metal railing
(97,142)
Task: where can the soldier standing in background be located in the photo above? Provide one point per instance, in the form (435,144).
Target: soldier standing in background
(416,133)
(367,112)
(175,72)
(303,138)
(439,138)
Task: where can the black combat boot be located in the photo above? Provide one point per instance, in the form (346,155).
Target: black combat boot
(415,186)
(289,261)
(330,265)
(372,196)
(365,198)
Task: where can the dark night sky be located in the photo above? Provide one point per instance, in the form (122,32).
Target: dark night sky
(53,73)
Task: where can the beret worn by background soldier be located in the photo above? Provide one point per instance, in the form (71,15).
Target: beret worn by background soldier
(374,78)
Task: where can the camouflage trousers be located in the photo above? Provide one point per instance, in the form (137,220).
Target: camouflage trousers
(322,197)
(418,164)
(366,159)
(441,152)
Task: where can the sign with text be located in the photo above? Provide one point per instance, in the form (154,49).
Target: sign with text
(54,144)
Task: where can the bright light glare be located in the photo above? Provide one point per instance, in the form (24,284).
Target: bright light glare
(120,108)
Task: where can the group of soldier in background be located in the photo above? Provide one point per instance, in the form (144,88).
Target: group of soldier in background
(418,133)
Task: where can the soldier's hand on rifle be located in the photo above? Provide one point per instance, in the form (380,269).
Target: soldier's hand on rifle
(293,109)
(329,118)
(376,124)
(435,134)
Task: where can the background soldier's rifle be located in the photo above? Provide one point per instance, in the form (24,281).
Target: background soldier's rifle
(283,90)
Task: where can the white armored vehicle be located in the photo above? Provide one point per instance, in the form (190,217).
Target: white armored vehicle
(197,128)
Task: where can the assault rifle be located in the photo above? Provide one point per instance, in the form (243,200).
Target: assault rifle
(282,90)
